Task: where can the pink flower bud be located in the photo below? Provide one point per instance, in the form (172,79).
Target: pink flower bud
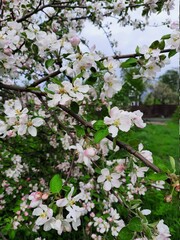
(8,51)
(38,195)
(90,152)
(74,41)
(11,133)
(45,196)
(26,213)
(168,198)
(92,214)
(18,212)
(120,168)
(177,187)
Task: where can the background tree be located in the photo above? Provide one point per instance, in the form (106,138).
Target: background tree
(165,91)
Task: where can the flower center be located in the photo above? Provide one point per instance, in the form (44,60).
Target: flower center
(29,124)
(109,177)
(116,122)
(43,215)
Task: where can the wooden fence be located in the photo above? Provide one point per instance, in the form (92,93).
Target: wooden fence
(151,111)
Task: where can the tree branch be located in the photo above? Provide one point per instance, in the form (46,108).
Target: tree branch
(119,143)
(134,55)
(46,78)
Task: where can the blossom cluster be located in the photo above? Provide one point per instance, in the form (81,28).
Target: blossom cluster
(17,120)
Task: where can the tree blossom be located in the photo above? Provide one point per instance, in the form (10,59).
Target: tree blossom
(112,85)
(29,125)
(44,214)
(137,172)
(119,120)
(163,231)
(109,180)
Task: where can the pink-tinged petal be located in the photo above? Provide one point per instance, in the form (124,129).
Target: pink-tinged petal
(79,96)
(107,186)
(78,82)
(83,88)
(22,130)
(105,172)
(62,202)
(113,130)
(140,147)
(37,211)
(115,183)
(114,112)
(40,221)
(115,175)
(35,203)
(101,179)
(125,123)
(17,104)
(108,121)
(37,122)
(32,131)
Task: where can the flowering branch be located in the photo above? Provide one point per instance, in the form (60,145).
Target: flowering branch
(119,143)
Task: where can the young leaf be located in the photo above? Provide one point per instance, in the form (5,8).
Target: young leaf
(99,125)
(56,184)
(135,225)
(167,36)
(173,165)
(125,234)
(131,62)
(49,63)
(155,44)
(100,134)
(157,176)
(172,53)
(80,131)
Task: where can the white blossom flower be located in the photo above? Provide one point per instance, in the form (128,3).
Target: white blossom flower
(45,215)
(109,180)
(119,120)
(29,125)
(163,231)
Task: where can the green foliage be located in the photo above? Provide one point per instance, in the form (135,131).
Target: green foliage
(56,184)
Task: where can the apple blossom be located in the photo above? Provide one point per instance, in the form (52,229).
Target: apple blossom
(109,180)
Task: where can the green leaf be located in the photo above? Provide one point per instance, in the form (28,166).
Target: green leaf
(100,134)
(173,164)
(49,63)
(35,49)
(12,234)
(154,45)
(125,234)
(79,131)
(157,176)
(135,225)
(135,203)
(99,125)
(131,62)
(172,53)
(56,184)
(74,107)
(167,36)
(91,80)
(162,45)
(137,50)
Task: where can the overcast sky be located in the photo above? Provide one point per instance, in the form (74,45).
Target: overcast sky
(128,38)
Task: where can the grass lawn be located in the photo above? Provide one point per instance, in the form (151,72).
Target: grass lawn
(161,140)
